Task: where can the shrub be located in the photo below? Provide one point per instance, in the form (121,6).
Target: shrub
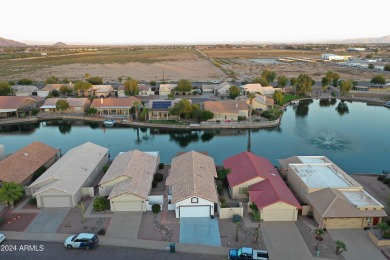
(32,201)
(222,200)
(35,111)
(158,177)
(154,184)
(1,221)
(236,218)
(381,177)
(310,214)
(156,208)
(105,168)
(100,204)
(161,166)
(386,180)
(219,189)
(101,232)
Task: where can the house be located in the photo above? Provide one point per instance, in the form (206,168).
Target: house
(67,180)
(336,199)
(145,90)
(21,166)
(221,89)
(76,105)
(115,106)
(18,106)
(227,110)
(128,181)
(97,91)
(260,102)
(257,88)
(192,185)
(166,89)
(255,177)
(121,91)
(24,90)
(44,92)
(159,109)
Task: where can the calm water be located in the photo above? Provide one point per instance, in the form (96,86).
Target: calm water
(353,135)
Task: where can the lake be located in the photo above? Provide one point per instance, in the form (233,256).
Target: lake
(353,135)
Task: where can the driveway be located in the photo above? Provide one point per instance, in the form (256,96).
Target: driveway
(124,225)
(48,220)
(358,244)
(284,241)
(200,231)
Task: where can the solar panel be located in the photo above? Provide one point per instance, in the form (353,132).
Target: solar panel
(161,104)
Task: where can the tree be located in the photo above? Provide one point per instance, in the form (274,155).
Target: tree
(251,97)
(206,115)
(386,68)
(82,86)
(268,75)
(369,56)
(282,81)
(293,82)
(304,84)
(234,92)
(120,79)
(65,90)
(11,192)
(95,80)
(261,81)
(319,232)
(86,76)
(340,247)
(378,79)
(184,85)
(24,81)
(278,97)
(131,87)
(54,93)
(345,86)
(81,206)
(51,80)
(371,66)
(137,105)
(62,105)
(152,83)
(383,227)
(5,88)
(65,81)
(332,77)
(183,107)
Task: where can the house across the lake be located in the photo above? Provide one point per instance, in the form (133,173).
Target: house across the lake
(227,110)
(76,105)
(115,106)
(13,106)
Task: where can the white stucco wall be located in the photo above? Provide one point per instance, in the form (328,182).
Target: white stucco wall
(187,202)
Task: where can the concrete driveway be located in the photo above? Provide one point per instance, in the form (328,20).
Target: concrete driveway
(284,241)
(200,231)
(124,225)
(48,220)
(358,244)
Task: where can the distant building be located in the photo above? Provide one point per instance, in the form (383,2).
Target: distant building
(24,90)
(166,89)
(332,57)
(75,105)
(356,49)
(227,110)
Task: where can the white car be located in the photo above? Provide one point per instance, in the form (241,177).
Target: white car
(109,122)
(2,237)
(82,240)
(215,81)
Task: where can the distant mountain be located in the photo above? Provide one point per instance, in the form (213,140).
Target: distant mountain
(10,43)
(59,44)
(384,39)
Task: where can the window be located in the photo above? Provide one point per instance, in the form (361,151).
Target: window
(242,190)
(194,200)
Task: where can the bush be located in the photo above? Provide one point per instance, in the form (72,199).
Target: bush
(32,201)
(161,166)
(1,221)
(158,177)
(101,204)
(310,214)
(222,200)
(381,177)
(154,184)
(105,168)
(101,232)
(219,189)
(386,180)
(156,208)
(236,218)
(35,111)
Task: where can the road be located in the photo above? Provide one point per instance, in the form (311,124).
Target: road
(18,249)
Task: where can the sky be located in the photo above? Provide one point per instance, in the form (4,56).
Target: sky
(192,22)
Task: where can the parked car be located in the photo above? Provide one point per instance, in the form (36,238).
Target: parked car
(82,240)
(247,253)
(2,237)
(109,122)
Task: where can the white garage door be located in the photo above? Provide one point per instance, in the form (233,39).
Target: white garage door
(56,201)
(128,206)
(278,214)
(194,212)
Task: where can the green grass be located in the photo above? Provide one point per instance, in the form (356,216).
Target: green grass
(166,122)
(287,98)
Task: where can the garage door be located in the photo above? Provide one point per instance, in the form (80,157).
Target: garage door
(56,202)
(194,212)
(336,223)
(278,214)
(128,206)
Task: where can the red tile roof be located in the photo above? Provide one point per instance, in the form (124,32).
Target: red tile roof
(270,191)
(247,166)
(114,102)
(22,164)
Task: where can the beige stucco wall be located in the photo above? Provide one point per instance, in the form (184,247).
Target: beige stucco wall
(127,197)
(229,212)
(51,192)
(343,223)
(300,188)
(279,211)
(235,190)
(106,188)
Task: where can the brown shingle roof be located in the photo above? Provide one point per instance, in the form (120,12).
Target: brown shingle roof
(14,102)
(50,87)
(192,174)
(228,106)
(22,164)
(331,203)
(114,102)
(73,102)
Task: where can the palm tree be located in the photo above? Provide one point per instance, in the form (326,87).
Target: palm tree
(136,104)
(251,96)
(340,247)
(11,191)
(319,233)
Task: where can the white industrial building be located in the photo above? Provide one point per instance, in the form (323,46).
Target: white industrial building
(332,57)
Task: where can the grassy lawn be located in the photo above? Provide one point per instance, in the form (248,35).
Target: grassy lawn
(166,122)
(288,98)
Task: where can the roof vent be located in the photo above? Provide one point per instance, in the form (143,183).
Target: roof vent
(273,174)
(25,154)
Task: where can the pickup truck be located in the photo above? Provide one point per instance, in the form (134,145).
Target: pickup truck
(248,253)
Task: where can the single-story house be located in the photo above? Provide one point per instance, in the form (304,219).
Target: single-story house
(18,106)
(208,88)
(62,185)
(227,110)
(145,90)
(166,89)
(24,90)
(192,185)
(44,92)
(338,209)
(128,181)
(121,91)
(97,90)
(261,102)
(21,166)
(78,105)
(159,109)
(221,89)
(257,88)
(114,106)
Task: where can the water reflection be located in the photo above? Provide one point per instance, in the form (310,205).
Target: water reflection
(65,128)
(20,129)
(327,102)
(342,108)
(303,108)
